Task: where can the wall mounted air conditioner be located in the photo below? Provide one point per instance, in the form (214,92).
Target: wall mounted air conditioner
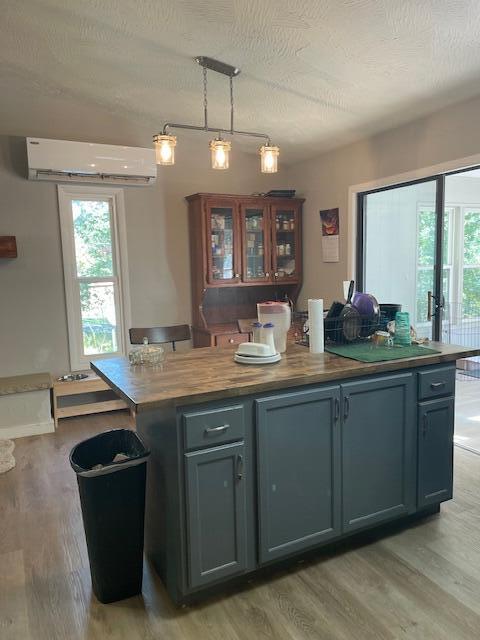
(66,161)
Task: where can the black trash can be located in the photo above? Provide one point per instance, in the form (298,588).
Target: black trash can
(111,472)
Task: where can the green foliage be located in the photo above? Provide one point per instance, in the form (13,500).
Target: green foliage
(470,299)
(93,240)
(93,252)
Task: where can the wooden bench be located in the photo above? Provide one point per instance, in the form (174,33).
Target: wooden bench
(89,385)
(25,405)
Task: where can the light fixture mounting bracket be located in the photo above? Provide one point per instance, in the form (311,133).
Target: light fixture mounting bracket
(218,66)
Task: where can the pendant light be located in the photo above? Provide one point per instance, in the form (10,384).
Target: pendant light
(269,158)
(164,146)
(164,143)
(220,150)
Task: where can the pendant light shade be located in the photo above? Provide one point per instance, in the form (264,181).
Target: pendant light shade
(269,159)
(220,153)
(164,146)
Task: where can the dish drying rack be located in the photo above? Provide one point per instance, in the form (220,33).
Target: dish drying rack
(334,328)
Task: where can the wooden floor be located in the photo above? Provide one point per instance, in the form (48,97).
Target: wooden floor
(422,582)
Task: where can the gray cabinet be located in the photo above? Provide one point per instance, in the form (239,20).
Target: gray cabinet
(435,451)
(378,450)
(216,513)
(298,470)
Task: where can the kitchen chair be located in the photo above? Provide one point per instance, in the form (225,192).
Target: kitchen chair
(161,335)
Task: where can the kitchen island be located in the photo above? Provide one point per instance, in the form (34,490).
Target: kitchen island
(253,465)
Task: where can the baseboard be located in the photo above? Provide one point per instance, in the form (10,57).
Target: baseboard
(24,430)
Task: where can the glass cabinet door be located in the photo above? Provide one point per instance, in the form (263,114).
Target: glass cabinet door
(221,259)
(286,250)
(256,249)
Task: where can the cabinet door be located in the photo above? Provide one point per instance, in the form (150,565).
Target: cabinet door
(435,451)
(378,449)
(298,438)
(255,226)
(222,243)
(286,243)
(216,513)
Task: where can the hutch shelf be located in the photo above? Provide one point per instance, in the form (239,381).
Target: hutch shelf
(244,249)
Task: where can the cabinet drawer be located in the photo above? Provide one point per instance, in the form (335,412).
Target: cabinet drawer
(217,426)
(227,339)
(437,382)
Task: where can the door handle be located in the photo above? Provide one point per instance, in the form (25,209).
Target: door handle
(337,410)
(239,467)
(214,430)
(346,407)
(429,306)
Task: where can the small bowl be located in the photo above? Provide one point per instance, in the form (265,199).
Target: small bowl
(71,377)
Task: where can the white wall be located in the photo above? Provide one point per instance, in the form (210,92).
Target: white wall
(33,329)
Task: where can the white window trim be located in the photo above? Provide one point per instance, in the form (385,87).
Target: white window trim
(79,362)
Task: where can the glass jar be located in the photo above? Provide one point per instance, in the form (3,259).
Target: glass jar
(147,354)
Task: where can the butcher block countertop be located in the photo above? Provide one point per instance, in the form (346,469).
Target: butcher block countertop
(208,374)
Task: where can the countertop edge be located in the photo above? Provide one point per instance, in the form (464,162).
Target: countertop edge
(295,381)
(131,403)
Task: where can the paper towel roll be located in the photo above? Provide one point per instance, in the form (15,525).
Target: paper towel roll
(315,326)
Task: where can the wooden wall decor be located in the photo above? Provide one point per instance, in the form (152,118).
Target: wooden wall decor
(8,247)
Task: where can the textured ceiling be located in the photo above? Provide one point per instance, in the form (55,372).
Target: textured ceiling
(315,74)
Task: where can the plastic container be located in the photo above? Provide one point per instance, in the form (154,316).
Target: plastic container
(268,338)
(257,331)
(111,472)
(280,315)
(402,335)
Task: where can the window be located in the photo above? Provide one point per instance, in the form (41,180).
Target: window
(94,256)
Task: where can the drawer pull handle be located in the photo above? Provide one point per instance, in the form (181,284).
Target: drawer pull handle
(437,385)
(214,430)
(239,467)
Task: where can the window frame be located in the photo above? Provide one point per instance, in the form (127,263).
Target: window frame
(79,361)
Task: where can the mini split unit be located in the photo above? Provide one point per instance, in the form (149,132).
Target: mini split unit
(67,161)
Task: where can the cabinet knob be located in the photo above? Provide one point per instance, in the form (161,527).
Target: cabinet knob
(237,275)
(231,340)
(267,275)
(276,274)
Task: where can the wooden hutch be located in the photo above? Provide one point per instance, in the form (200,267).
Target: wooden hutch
(244,250)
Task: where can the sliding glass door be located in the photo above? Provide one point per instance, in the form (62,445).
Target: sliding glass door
(398,251)
(419,246)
